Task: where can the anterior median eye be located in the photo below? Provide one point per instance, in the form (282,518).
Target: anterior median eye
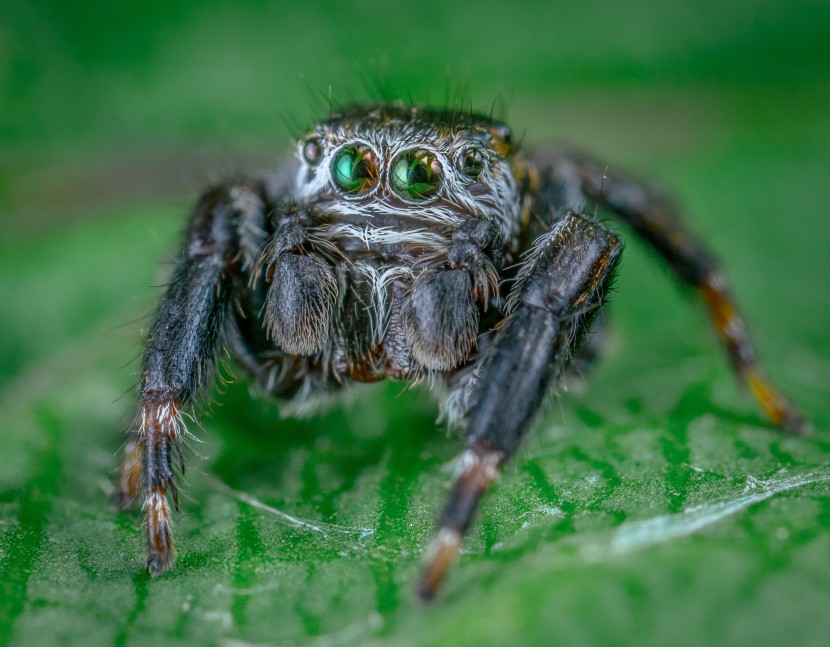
(354,170)
(417,174)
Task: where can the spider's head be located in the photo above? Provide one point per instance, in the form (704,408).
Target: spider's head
(434,166)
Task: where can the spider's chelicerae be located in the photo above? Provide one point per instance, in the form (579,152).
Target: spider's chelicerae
(406,242)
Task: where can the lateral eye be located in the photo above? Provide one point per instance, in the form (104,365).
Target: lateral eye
(470,162)
(417,174)
(354,170)
(313,151)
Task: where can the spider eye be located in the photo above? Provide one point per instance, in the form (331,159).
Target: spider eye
(417,174)
(354,170)
(313,151)
(470,162)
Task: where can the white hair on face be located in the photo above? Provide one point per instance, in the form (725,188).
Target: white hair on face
(381,278)
(372,236)
(453,203)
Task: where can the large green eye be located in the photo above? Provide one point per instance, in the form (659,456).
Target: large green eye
(417,174)
(354,170)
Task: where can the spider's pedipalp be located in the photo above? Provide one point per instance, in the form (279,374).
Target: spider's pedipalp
(441,319)
(302,287)
(442,312)
(300,303)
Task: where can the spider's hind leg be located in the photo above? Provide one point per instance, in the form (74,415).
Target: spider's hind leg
(658,221)
(558,294)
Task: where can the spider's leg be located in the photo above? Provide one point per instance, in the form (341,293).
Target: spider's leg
(659,222)
(179,357)
(558,293)
(596,341)
(125,495)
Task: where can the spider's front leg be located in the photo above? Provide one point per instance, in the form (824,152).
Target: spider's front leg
(223,236)
(557,295)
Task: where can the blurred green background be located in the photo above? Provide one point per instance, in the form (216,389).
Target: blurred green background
(651,506)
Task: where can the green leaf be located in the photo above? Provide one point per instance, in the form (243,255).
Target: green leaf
(651,503)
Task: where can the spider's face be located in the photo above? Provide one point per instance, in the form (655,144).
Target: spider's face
(432,166)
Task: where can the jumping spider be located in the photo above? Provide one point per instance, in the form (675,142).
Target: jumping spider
(405,242)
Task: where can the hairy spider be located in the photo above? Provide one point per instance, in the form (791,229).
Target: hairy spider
(405,242)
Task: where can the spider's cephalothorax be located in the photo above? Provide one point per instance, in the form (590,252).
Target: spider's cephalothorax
(404,216)
(404,242)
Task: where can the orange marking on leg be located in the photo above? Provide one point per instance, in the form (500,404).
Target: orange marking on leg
(442,554)
(478,468)
(599,272)
(130,475)
(730,328)
(163,416)
(161,550)
(722,311)
(766,395)
(776,406)
(159,434)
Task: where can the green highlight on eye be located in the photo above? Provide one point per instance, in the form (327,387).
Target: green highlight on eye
(354,170)
(417,174)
